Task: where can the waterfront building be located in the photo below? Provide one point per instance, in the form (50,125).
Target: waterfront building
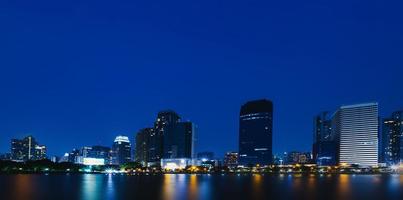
(143,145)
(166,121)
(391,143)
(100,152)
(357,127)
(27,149)
(121,150)
(324,150)
(231,159)
(173,164)
(179,140)
(255,133)
(295,157)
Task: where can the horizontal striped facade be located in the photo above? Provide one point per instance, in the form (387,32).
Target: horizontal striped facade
(358,127)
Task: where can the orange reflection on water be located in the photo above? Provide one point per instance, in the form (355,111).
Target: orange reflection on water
(257,186)
(311,182)
(344,186)
(23,187)
(168,188)
(296,181)
(193,187)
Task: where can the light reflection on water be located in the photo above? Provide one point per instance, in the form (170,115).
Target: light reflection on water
(180,186)
(91,186)
(24,186)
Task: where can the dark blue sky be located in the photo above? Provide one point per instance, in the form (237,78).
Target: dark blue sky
(75,74)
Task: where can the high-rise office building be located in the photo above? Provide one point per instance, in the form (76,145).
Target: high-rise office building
(166,120)
(324,150)
(392,139)
(143,145)
(255,133)
(357,128)
(179,140)
(100,152)
(27,149)
(121,150)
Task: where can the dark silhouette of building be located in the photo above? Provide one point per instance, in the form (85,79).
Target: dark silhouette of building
(27,149)
(143,145)
(166,120)
(121,150)
(255,133)
(324,150)
(391,151)
(179,140)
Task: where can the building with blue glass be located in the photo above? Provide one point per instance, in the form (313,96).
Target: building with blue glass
(256,133)
(392,139)
(324,150)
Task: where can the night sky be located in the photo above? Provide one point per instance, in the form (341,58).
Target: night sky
(76,74)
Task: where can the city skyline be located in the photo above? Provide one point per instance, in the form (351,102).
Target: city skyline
(132,138)
(84,72)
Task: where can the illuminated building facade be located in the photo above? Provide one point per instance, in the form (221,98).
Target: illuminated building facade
(357,127)
(295,157)
(392,139)
(27,149)
(121,150)
(231,159)
(324,150)
(256,133)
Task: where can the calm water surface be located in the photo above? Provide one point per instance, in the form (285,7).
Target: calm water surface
(179,186)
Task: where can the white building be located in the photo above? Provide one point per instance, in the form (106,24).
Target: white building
(357,126)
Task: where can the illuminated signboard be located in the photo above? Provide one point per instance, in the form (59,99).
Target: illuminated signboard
(93,161)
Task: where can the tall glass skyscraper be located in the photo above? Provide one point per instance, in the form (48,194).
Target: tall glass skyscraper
(357,127)
(143,145)
(392,139)
(256,133)
(121,150)
(324,150)
(166,120)
(179,140)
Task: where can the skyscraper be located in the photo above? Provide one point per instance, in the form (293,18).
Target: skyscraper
(179,140)
(357,127)
(121,150)
(392,139)
(255,133)
(143,145)
(27,149)
(166,120)
(324,150)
